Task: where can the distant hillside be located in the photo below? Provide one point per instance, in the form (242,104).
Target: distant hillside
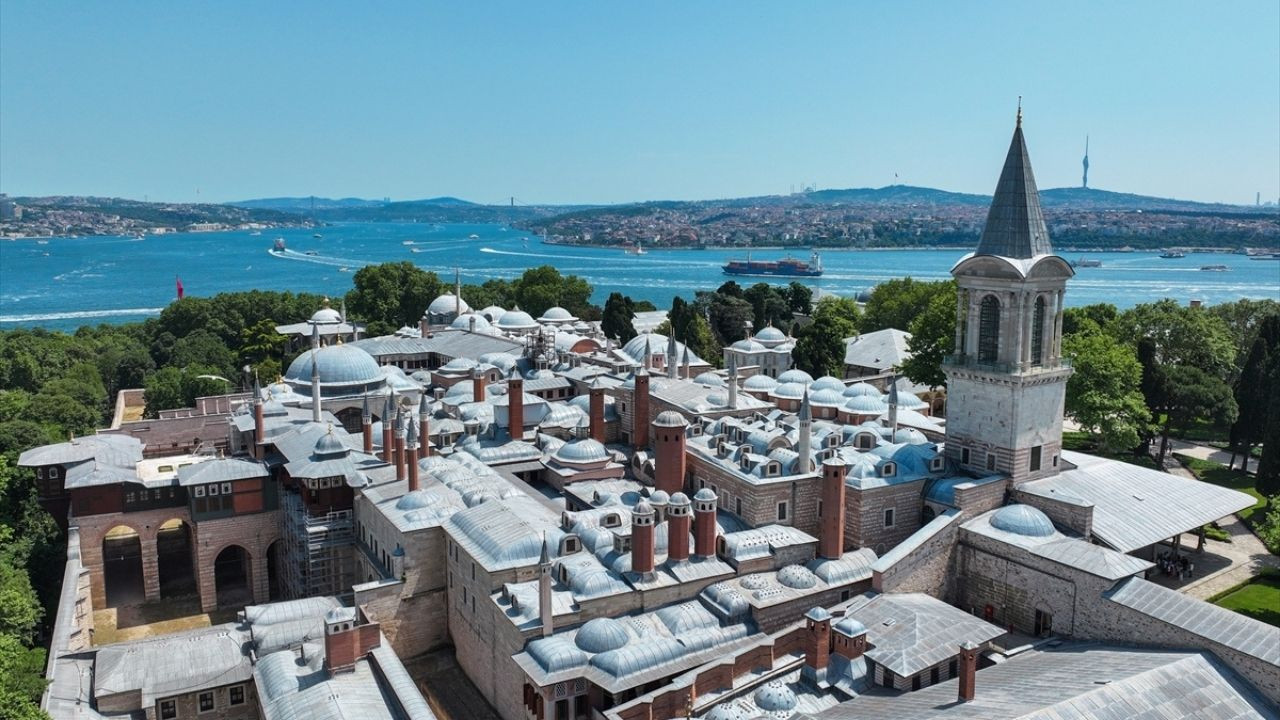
(306,204)
(896,195)
(1076,198)
(79,215)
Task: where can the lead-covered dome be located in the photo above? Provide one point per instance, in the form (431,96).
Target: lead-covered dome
(447,303)
(795,375)
(582,450)
(775,697)
(556,314)
(601,635)
(1022,520)
(516,319)
(670,418)
(326,316)
(339,366)
(463,321)
(759,383)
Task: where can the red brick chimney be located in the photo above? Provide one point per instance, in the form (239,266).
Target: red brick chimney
(640,411)
(597,411)
(399,453)
(366,426)
(424,427)
(831,542)
(849,638)
(388,431)
(704,523)
(411,457)
(642,517)
(968,671)
(259,423)
(477,386)
(679,520)
(669,442)
(515,407)
(348,638)
(817,643)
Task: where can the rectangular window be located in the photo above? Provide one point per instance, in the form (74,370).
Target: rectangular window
(782,511)
(964,456)
(168,709)
(1055,461)
(237,695)
(1035,458)
(888,518)
(915,682)
(738,506)
(213,489)
(991,461)
(128,497)
(206,702)
(199,491)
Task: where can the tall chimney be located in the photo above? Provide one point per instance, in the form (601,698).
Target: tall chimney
(388,429)
(640,410)
(704,523)
(679,519)
(411,456)
(399,448)
(831,542)
(596,392)
(259,421)
(545,611)
(424,427)
(366,425)
(817,644)
(515,406)
(477,385)
(348,638)
(669,442)
(733,380)
(642,517)
(968,671)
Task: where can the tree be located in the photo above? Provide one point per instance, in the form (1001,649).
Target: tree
(1183,394)
(1099,316)
(616,320)
(1243,318)
(20,611)
(933,337)
(895,303)
(1253,389)
(702,341)
(391,295)
(543,287)
(799,298)
(768,306)
(730,288)
(1104,394)
(820,344)
(260,341)
(729,316)
(1268,477)
(679,317)
(1189,336)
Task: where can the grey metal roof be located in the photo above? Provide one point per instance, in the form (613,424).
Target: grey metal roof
(1015,224)
(173,664)
(448,343)
(882,349)
(1134,507)
(119,450)
(1238,632)
(1076,682)
(505,533)
(1070,551)
(911,632)
(221,470)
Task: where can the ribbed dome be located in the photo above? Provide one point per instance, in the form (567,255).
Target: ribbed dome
(775,697)
(659,497)
(826,382)
(788,390)
(795,375)
(709,378)
(601,635)
(463,321)
(770,333)
(759,383)
(582,450)
(329,445)
(850,626)
(678,499)
(670,418)
(866,405)
(338,365)
(704,495)
(326,316)
(516,319)
(1022,520)
(909,436)
(860,389)
(911,401)
(556,314)
(415,500)
(826,397)
(446,304)
(748,346)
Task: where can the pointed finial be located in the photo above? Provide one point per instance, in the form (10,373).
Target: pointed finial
(1019,111)
(546,553)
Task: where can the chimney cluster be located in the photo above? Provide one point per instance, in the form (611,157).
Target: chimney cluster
(704,523)
(679,522)
(348,637)
(477,386)
(823,638)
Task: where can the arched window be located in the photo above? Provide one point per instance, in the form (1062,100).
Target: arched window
(1037,332)
(989,329)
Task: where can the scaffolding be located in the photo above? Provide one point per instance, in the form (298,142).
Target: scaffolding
(317,550)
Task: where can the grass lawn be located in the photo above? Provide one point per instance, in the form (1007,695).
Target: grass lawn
(1218,474)
(1086,443)
(1259,599)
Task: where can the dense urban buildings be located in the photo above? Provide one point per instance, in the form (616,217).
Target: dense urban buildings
(629,533)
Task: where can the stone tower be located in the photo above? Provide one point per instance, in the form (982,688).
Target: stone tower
(1006,382)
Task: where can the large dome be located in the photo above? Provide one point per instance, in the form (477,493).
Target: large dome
(1022,520)
(326,316)
(601,635)
(795,375)
(583,450)
(339,366)
(516,319)
(446,304)
(770,333)
(557,314)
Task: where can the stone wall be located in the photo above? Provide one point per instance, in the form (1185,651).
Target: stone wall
(924,562)
(1065,512)
(255,533)
(146,523)
(865,511)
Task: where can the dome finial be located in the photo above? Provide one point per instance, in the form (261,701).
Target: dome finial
(1019,111)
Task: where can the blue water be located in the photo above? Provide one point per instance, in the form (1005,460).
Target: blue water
(68,282)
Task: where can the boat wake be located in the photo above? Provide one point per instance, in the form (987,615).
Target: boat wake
(317,259)
(629,260)
(37,317)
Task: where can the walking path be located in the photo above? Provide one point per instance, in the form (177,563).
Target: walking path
(1205,452)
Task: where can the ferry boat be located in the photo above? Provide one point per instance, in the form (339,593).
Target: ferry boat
(473,236)
(279,246)
(255,233)
(788,266)
(1086,262)
(1215,268)
(637,249)
(1172,254)
(312,252)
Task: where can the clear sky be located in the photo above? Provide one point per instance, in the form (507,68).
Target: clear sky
(559,102)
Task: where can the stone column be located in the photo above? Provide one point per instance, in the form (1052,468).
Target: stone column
(962,299)
(150,568)
(1019,326)
(974,317)
(1056,342)
(258,574)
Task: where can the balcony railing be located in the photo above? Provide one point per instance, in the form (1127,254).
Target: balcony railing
(971,362)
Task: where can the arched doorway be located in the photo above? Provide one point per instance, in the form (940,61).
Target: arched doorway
(173,559)
(231,573)
(351,419)
(275,571)
(122,567)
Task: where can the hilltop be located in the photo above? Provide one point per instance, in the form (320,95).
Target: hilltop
(80,215)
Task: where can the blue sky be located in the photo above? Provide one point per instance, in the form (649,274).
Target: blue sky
(611,102)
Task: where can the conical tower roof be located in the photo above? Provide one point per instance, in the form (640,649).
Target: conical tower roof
(1015,224)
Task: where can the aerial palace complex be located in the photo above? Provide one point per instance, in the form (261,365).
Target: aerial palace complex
(628,533)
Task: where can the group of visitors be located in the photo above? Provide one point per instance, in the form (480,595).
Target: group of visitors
(1172,563)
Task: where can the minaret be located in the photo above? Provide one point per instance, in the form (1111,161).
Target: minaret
(400,447)
(733,381)
(673,358)
(1085,182)
(388,430)
(457,292)
(688,364)
(1007,374)
(411,456)
(893,407)
(424,426)
(315,373)
(545,611)
(259,420)
(804,435)
(366,425)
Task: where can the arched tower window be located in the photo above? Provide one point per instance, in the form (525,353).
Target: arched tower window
(989,329)
(1037,333)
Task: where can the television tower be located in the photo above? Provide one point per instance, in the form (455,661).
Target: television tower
(1085,183)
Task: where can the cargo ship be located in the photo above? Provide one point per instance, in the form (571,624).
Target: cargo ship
(788,266)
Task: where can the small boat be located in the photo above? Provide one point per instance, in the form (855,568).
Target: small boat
(1265,256)
(312,252)
(344,268)
(473,236)
(1086,262)
(279,246)
(255,233)
(637,249)
(407,242)
(1172,254)
(1214,268)
(42,242)
(416,250)
(317,236)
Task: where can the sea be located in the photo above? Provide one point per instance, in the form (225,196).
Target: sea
(63,283)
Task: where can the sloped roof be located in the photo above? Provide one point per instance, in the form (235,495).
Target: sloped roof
(882,349)
(1015,224)
(911,632)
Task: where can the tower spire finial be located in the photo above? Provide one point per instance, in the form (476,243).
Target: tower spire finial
(1019,111)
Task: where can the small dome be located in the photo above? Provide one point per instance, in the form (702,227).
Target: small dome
(329,444)
(797,576)
(670,418)
(717,400)
(760,383)
(415,500)
(826,397)
(727,711)
(709,378)
(827,382)
(659,497)
(747,346)
(582,450)
(909,436)
(326,316)
(788,390)
(463,321)
(642,508)
(516,319)
(866,405)
(1022,520)
(601,635)
(458,364)
(337,364)
(850,627)
(860,389)
(493,312)
(556,314)
(795,375)
(678,499)
(756,581)
(704,495)
(770,333)
(911,401)
(446,304)
(775,697)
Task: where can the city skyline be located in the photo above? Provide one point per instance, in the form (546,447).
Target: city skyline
(578,104)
